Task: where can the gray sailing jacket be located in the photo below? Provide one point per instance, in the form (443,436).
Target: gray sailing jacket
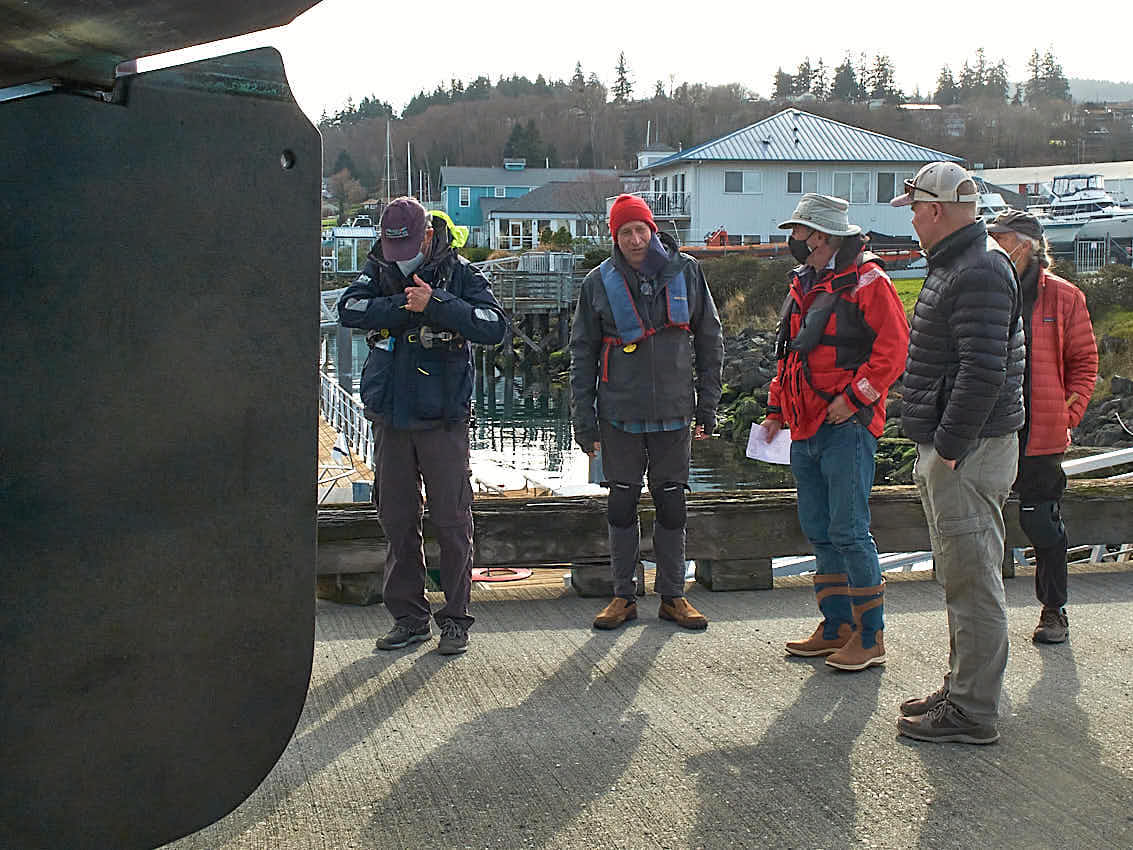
(671,374)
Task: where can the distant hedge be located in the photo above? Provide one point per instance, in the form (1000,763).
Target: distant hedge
(1111,286)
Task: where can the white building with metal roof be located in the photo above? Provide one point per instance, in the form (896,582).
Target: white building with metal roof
(751,179)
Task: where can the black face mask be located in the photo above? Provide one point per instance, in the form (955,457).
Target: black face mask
(799,249)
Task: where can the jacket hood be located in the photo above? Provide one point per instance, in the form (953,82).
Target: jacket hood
(670,244)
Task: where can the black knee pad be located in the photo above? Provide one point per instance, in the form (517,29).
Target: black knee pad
(669,500)
(621,506)
(1042,523)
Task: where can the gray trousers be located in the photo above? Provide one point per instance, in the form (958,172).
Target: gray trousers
(964,509)
(626,457)
(437,458)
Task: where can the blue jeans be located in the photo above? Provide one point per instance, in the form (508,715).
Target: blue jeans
(834,473)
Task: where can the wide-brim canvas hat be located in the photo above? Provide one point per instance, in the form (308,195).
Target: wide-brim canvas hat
(939,182)
(823,213)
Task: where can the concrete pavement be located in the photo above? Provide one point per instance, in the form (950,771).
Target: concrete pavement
(548,734)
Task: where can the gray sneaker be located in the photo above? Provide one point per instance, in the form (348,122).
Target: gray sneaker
(922,705)
(454,638)
(1053,626)
(401,635)
(944,723)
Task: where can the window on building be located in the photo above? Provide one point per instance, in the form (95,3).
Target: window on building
(752,239)
(886,186)
(852,186)
(499,191)
(777,237)
(364,246)
(465,196)
(745,182)
(799,182)
(344,248)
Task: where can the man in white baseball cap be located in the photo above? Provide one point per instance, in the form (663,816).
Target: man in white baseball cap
(963,406)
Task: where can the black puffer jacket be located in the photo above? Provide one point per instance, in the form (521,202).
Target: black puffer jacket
(964,376)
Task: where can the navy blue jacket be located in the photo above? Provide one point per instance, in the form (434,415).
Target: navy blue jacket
(404,384)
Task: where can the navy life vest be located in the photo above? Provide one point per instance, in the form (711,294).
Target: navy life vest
(631,329)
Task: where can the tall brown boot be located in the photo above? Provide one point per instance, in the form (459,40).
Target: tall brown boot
(816,644)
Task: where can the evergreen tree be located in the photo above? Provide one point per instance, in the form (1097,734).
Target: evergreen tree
(845,86)
(969,84)
(1055,84)
(803,78)
(1017,100)
(882,80)
(819,85)
(862,74)
(479,89)
(996,84)
(1034,85)
(578,82)
(623,87)
(945,94)
(784,84)
(659,90)
(344,161)
(594,87)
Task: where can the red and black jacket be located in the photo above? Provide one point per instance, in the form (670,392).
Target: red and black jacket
(847,335)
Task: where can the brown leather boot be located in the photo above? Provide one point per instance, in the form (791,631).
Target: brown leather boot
(616,613)
(816,644)
(683,614)
(853,656)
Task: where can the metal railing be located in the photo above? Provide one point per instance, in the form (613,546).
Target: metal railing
(663,204)
(343,413)
(521,292)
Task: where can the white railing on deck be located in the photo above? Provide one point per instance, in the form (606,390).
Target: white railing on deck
(343,413)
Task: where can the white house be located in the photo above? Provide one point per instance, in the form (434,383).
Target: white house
(751,179)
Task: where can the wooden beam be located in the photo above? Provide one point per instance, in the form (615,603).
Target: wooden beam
(722,527)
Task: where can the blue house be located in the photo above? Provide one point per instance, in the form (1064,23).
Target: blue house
(463,188)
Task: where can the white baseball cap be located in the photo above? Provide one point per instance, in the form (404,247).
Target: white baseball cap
(940,182)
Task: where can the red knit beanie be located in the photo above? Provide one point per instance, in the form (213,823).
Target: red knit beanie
(629,208)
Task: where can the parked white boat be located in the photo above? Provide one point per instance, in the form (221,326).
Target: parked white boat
(1077,199)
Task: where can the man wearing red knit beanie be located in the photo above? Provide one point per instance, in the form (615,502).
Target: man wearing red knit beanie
(646,353)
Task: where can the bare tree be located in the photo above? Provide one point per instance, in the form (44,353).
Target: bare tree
(346,191)
(586,198)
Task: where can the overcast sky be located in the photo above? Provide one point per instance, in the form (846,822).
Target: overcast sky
(354,48)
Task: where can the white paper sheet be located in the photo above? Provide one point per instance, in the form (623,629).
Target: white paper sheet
(777,451)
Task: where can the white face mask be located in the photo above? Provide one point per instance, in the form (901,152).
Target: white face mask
(409,266)
(1018,262)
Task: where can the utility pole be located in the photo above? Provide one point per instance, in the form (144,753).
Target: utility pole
(389,176)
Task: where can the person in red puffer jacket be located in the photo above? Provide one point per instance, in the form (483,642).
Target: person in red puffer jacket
(1062,366)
